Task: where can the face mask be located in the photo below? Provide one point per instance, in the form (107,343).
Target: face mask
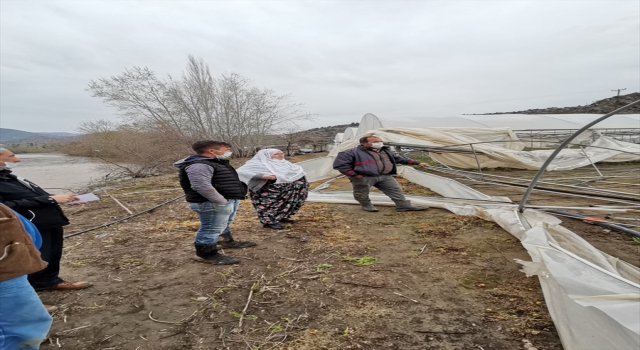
(225,155)
(377,145)
(10,165)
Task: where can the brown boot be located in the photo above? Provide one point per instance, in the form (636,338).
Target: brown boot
(68,286)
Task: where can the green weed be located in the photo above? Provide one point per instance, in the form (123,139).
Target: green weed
(363,261)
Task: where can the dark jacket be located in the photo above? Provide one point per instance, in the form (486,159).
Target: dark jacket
(358,161)
(30,201)
(205,179)
(18,254)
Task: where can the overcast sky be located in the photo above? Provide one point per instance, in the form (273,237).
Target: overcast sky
(340,59)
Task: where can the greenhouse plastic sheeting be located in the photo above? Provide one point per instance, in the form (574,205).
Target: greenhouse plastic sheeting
(512,121)
(505,152)
(349,133)
(593,298)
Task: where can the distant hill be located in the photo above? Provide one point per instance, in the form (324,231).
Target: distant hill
(13,136)
(328,132)
(599,107)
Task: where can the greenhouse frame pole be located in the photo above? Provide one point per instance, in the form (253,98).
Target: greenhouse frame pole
(553,155)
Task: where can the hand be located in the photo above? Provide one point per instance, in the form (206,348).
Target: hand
(423,165)
(64,198)
(359,176)
(269,177)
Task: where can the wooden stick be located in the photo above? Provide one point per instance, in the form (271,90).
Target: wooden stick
(443,332)
(296,260)
(415,301)
(364,285)
(117,201)
(168,322)
(244,311)
(71,330)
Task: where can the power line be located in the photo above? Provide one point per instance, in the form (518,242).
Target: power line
(618,90)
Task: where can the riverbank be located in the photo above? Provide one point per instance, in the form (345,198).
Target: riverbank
(60,173)
(427,280)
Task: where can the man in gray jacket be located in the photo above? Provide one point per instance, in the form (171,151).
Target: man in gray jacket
(372,164)
(214,191)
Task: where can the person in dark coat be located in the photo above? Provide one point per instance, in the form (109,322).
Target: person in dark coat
(372,164)
(43,210)
(214,191)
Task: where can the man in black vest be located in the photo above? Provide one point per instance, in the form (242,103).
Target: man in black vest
(214,191)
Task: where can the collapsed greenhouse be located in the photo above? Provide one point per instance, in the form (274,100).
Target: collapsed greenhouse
(592,297)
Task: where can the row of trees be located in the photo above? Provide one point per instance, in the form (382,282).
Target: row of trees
(162,117)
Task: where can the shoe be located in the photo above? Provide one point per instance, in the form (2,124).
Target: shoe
(367,206)
(274,226)
(50,308)
(68,286)
(288,221)
(406,206)
(227,241)
(235,244)
(209,252)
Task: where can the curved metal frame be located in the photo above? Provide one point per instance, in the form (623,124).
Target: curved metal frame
(553,155)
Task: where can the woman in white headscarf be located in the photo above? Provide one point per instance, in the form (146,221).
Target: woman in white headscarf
(278,187)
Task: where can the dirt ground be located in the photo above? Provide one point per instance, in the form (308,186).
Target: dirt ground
(339,278)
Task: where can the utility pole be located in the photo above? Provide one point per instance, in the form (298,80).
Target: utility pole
(618,90)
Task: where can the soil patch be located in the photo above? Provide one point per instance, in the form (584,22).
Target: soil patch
(339,278)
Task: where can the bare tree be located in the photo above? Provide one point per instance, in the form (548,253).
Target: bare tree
(141,96)
(196,106)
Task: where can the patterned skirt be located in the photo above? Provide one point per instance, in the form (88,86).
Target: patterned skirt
(274,202)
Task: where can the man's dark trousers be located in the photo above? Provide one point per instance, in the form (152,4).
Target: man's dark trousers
(51,252)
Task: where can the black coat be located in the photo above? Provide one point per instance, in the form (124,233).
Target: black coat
(358,161)
(31,201)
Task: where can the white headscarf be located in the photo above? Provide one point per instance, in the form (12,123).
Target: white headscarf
(263,163)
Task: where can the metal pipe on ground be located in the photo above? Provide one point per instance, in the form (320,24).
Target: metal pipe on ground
(553,155)
(485,175)
(608,210)
(586,193)
(581,217)
(123,219)
(554,192)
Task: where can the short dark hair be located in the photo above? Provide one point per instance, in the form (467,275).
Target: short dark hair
(365,139)
(201,146)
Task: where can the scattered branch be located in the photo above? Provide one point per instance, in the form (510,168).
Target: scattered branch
(169,322)
(415,301)
(364,285)
(71,330)
(244,311)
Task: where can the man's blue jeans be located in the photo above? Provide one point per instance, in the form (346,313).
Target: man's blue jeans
(24,322)
(214,220)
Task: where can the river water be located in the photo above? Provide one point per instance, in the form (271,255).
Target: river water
(59,173)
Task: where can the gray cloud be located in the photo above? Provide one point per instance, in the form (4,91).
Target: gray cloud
(341,59)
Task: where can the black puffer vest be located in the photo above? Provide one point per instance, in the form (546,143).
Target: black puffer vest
(225,180)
